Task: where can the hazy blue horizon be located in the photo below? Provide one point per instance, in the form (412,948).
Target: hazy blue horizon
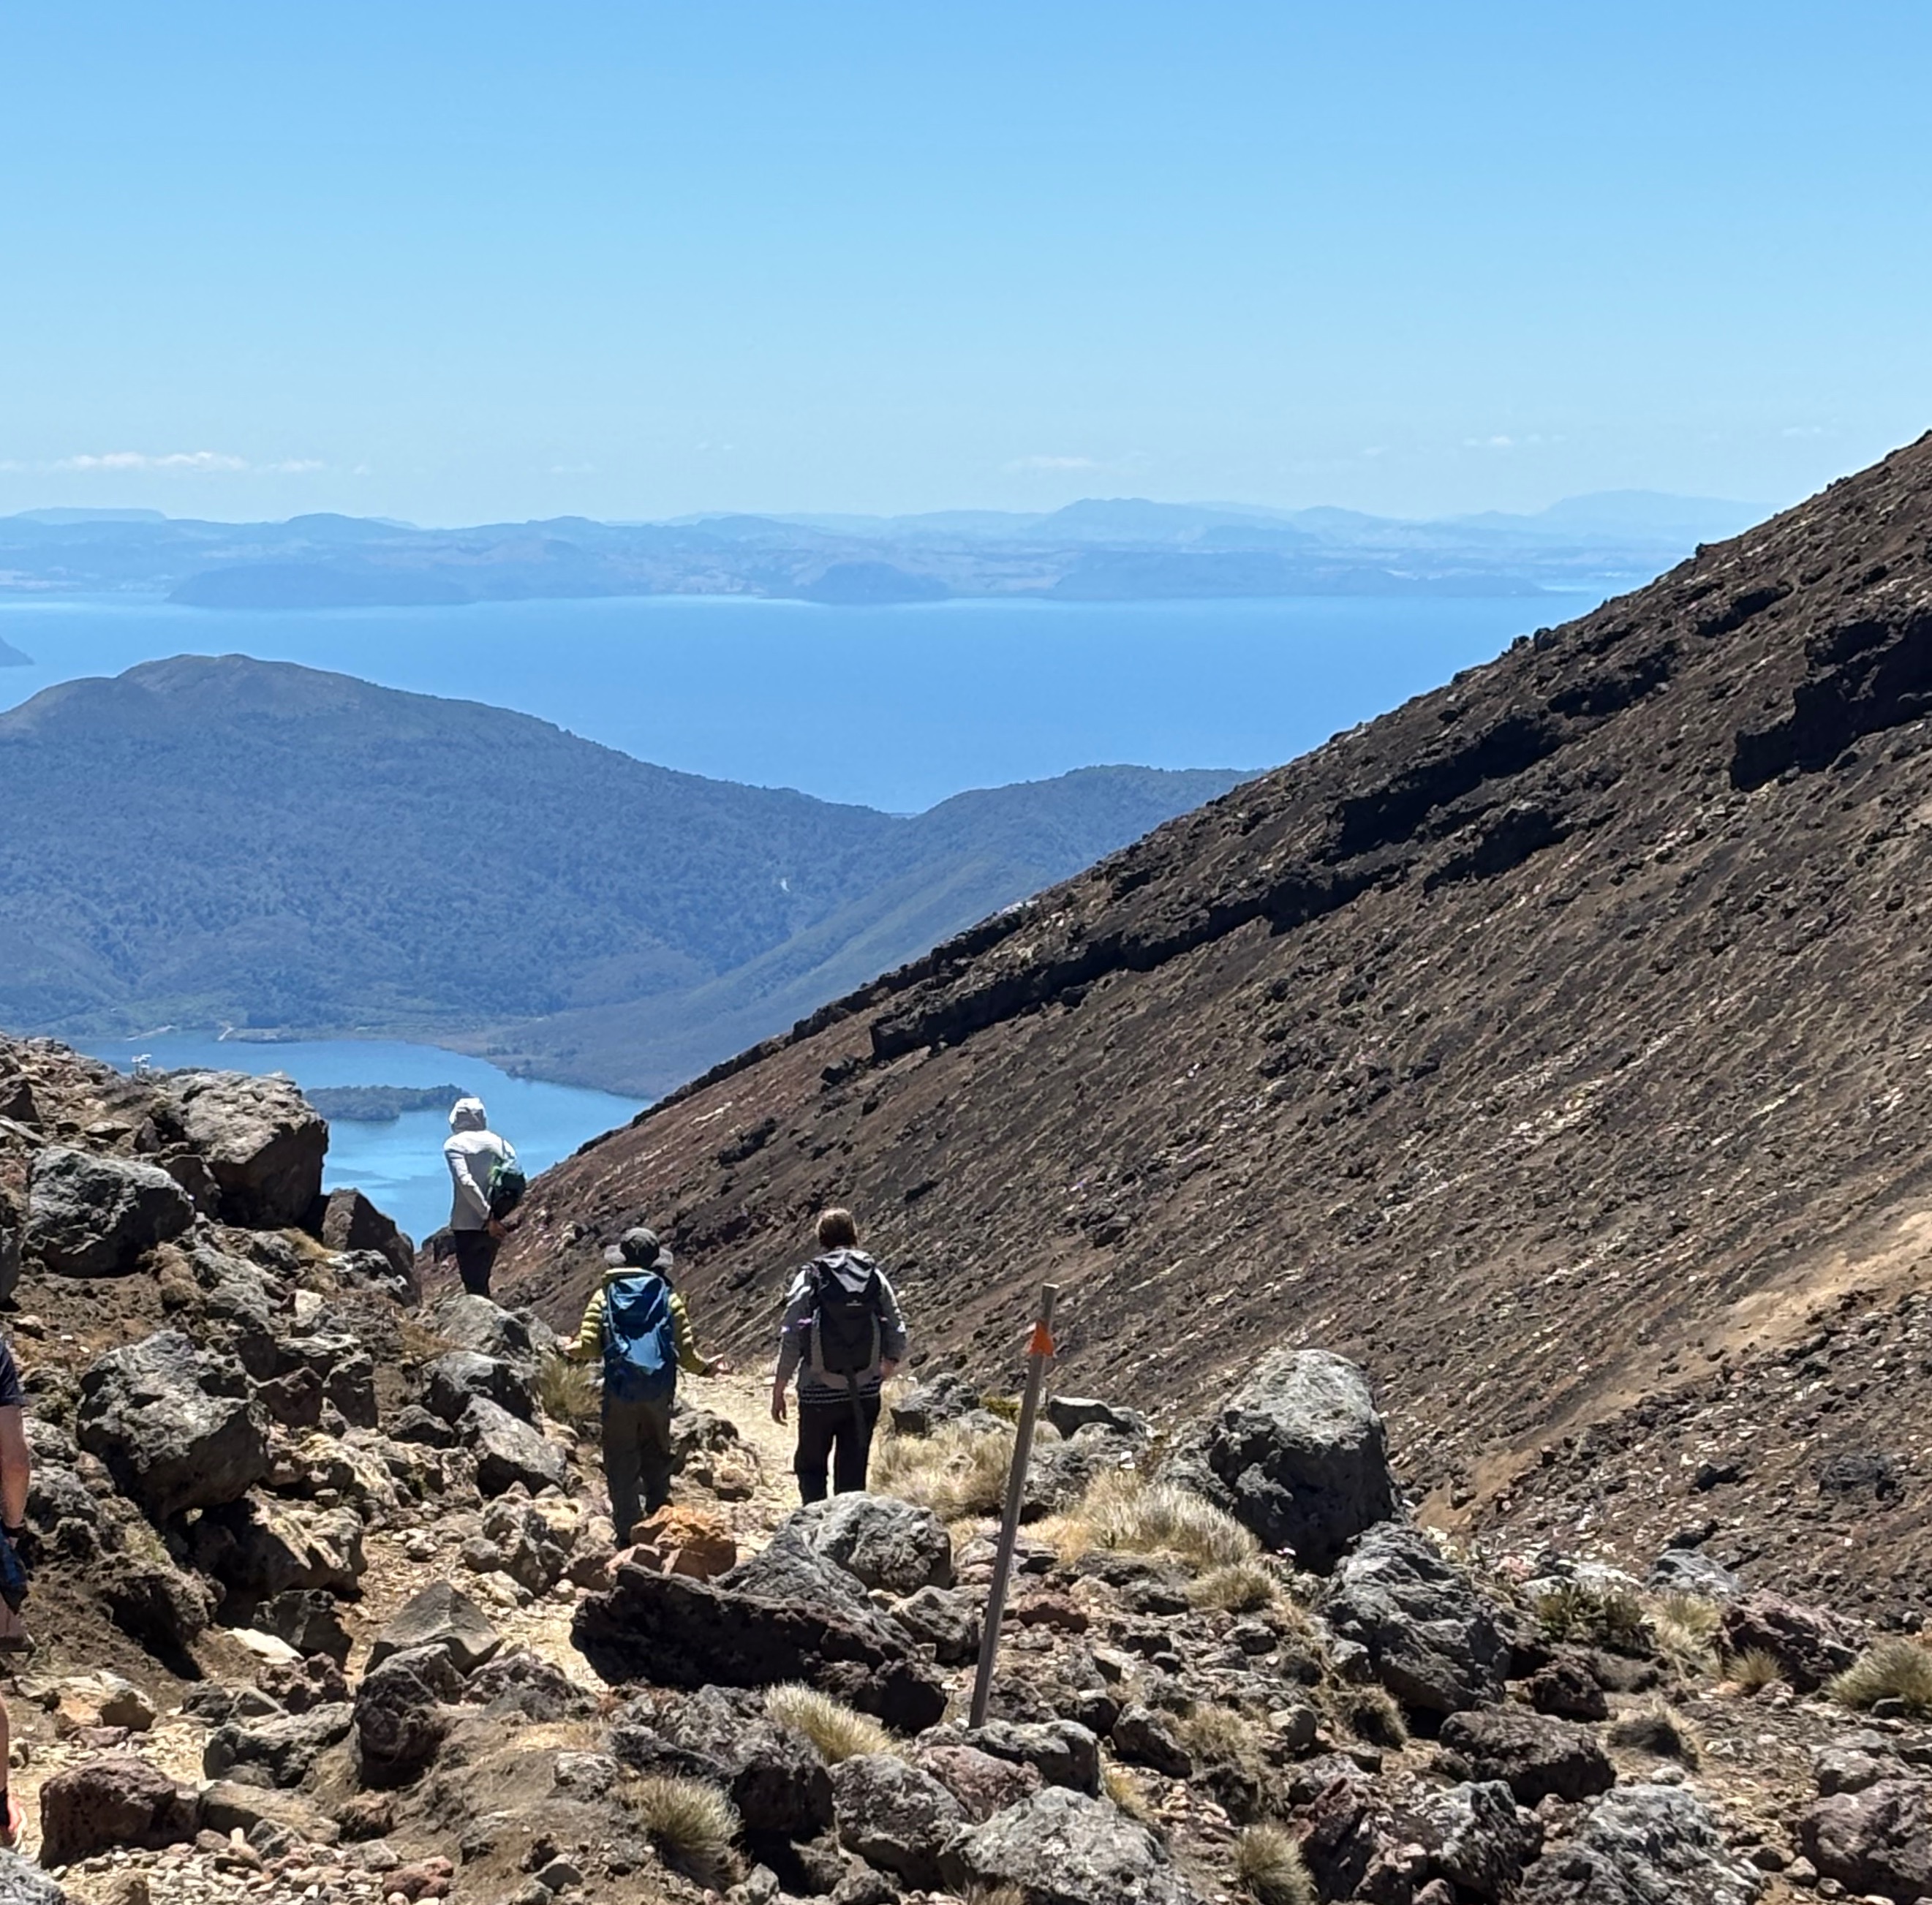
(896,708)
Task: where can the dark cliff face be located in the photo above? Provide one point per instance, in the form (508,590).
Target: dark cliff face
(1555,1046)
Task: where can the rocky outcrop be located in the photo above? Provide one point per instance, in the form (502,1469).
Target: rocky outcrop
(1876,1841)
(347,1222)
(89,1215)
(1060,1848)
(1809,1644)
(882,1543)
(1299,1454)
(894,1816)
(261,1138)
(104,1803)
(176,1424)
(1644,1845)
(664,1630)
(1433,1640)
(1536,1757)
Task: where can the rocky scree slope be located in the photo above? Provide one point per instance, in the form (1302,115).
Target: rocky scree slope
(1554,1046)
(325,1607)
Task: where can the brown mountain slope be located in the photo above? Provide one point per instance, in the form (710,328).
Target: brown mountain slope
(1556,1045)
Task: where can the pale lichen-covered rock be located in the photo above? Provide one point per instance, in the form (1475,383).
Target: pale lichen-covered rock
(263,1140)
(96,1216)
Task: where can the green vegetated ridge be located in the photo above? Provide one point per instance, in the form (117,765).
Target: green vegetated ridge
(207,841)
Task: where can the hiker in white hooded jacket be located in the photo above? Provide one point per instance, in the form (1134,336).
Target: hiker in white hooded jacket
(841,1294)
(472,1151)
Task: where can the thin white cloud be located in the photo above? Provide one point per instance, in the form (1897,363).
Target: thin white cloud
(199,461)
(1047,463)
(182,462)
(1500,442)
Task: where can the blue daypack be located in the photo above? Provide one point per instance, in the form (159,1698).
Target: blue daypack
(640,1339)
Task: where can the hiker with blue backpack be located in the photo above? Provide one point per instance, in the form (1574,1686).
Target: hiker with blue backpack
(842,1336)
(636,1324)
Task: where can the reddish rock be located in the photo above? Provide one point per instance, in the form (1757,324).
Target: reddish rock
(689,1541)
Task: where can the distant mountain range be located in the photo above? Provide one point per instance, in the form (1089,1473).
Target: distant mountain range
(201,842)
(1123,549)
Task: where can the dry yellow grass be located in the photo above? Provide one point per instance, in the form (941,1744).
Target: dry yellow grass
(958,1470)
(1123,1509)
(1753,1669)
(837,1731)
(1685,1628)
(566,1391)
(688,1820)
(1893,1670)
(1241,1587)
(1127,1793)
(1657,1728)
(1271,1869)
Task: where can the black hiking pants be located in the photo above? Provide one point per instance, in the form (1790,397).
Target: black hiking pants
(637,1461)
(834,1436)
(476,1254)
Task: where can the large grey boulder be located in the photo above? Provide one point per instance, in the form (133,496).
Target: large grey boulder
(884,1543)
(103,1804)
(469,1322)
(1536,1757)
(263,1140)
(453,1382)
(1642,1845)
(1062,1752)
(672,1631)
(280,1750)
(789,1568)
(894,1816)
(401,1713)
(11,1246)
(263,1546)
(1433,1641)
(774,1774)
(1062,1848)
(1299,1455)
(507,1450)
(1877,1840)
(22,1882)
(1477,1837)
(94,1217)
(346,1221)
(441,1615)
(175,1424)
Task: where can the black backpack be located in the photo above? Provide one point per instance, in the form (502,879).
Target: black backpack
(845,1315)
(507,1185)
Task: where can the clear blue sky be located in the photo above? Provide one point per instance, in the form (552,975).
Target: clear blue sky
(460,262)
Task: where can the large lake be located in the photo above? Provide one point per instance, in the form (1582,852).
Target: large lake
(895,707)
(399,1164)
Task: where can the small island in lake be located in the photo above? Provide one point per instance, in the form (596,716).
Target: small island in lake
(380,1104)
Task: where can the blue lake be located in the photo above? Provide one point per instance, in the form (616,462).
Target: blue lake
(894,707)
(399,1164)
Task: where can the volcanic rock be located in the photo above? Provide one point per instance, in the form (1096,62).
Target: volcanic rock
(1061,1848)
(89,1215)
(261,1139)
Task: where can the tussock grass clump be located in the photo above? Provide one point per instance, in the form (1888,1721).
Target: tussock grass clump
(1609,1617)
(1218,1732)
(1893,1670)
(1685,1628)
(1127,1793)
(958,1470)
(1368,1711)
(1122,1509)
(835,1728)
(689,1821)
(1754,1669)
(1239,1587)
(979,1895)
(1657,1729)
(1271,1869)
(567,1391)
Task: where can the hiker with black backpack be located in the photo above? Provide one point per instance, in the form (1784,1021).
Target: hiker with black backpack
(488,1184)
(637,1324)
(842,1335)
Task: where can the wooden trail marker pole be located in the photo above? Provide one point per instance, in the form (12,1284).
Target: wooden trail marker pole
(1040,1349)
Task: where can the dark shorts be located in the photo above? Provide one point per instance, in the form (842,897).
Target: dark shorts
(476,1254)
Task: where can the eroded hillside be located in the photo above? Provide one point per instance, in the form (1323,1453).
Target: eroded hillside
(1555,1046)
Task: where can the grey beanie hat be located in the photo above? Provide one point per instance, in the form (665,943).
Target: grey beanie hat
(639,1248)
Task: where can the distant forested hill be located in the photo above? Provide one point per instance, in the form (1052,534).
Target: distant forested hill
(202,841)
